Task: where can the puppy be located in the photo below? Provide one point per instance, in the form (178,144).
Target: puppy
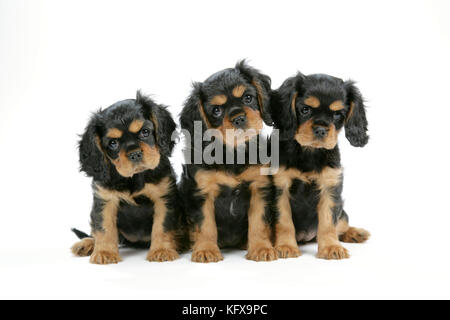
(125,149)
(310,112)
(227,203)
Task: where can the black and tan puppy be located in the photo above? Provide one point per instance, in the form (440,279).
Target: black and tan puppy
(227,203)
(310,112)
(126,149)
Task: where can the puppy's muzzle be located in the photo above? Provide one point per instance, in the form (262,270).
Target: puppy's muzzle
(240,122)
(320,132)
(238,118)
(135,156)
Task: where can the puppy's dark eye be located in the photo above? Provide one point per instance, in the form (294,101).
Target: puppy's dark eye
(305,111)
(145,133)
(113,144)
(337,116)
(217,111)
(247,99)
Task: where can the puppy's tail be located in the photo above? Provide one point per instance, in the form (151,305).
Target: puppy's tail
(80,234)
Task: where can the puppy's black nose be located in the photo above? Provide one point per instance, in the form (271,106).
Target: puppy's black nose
(240,121)
(135,156)
(320,132)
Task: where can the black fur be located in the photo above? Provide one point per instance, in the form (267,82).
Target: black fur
(80,234)
(304,197)
(96,161)
(329,87)
(231,206)
(356,125)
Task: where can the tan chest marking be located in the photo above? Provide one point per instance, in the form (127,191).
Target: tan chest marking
(328,177)
(209,181)
(154,192)
(112,198)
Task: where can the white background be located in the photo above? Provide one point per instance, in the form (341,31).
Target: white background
(62,60)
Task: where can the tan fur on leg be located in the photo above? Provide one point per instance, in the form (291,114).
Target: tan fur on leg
(327,237)
(163,245)
(259,233)
(285,237)
(106,250)
(285,241)
(205,247)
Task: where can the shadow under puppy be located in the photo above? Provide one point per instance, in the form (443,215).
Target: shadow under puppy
(125,149)
(310,112)
(226,202)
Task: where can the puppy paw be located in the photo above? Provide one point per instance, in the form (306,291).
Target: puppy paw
(355,235)
(287,251)
(83,248)
(207,255)
(262,254)
(104,257)
(331,252)
(161,255)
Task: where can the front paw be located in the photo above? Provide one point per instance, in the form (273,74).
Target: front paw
(105,257)
(287,251)
(333,252)
(207,255)
(161,255)
(262,254)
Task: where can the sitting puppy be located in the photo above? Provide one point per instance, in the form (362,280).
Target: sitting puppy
(310,111)
(125,149)
(227,202)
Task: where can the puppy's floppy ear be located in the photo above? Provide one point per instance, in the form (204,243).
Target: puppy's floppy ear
(92,159)
(262,84)
(193,109)
(356,121)
(284,112)
(162,120)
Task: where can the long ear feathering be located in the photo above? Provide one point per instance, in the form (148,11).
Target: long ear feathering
(283,107)
(162,119)
(166,128)
(356,121)
(92,159)
(262,83)
(192,109)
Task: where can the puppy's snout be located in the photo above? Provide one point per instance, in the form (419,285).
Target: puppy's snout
(135,156)
(320,132)
(240,121)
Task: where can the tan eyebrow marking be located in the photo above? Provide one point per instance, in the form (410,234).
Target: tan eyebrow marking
(239,90)
(135,126)
(337,105)
(114,133)
(219,100)
(312,102)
